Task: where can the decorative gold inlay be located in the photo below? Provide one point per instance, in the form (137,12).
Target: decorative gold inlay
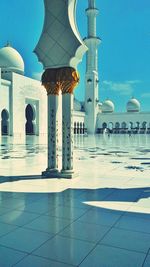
(64,79)
(68,86)
(52,88)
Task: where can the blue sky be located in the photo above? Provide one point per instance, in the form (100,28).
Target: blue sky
(124,54)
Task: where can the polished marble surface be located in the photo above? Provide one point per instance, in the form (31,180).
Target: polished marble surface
(99,219)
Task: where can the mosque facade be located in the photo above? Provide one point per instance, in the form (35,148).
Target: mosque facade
(23,100)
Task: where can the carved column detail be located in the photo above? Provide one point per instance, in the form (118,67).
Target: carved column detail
(54,80)
(71,79)
(52,87)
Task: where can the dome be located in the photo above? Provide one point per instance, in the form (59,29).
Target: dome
(77,105)
(133,105)
(11,60)
(108,106)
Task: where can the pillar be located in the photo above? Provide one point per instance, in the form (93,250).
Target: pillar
(49,80)
(70,80)
(65,78)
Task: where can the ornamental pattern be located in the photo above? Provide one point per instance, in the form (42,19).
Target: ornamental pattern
(53,141)
(64,79)
(54,80)
(67,149)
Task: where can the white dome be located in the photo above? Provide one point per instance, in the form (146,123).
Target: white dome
(11,60)
(133,105)
(108,106)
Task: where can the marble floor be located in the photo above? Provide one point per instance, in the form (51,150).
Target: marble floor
(99,219)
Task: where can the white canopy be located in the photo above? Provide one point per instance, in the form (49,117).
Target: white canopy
(60,43)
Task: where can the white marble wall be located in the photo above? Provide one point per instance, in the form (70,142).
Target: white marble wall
(5,87)
(28,91)
(123,117)
(20,91)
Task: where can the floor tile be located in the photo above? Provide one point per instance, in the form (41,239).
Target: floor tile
(32,197)
(138,212)
(131,223)
(147,262)
(70,213)
(85,231)
(111,207)
(6,228)
(108,192)
(100,217)
(143,202)
(39,207)
(66,250)
(34,261)
(4,210)
(24,239)
(6,195)
(19,218)
(103,256)
(12,203)
(127,239)
(9,257)
(95,194)
(124,195)
(48,224)
(74,202)
(70,193)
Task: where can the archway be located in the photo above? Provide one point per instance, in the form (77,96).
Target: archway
(30,118)
(130,127)
(117,127)
(104,125)
(138,125)
(124,125)
(75,128)
(78,125)
(110,126)
(81,128)
(144,125)
(4,122)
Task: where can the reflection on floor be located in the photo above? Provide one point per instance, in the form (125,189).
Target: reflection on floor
(100,219)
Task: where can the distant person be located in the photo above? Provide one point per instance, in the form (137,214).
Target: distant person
(104,131)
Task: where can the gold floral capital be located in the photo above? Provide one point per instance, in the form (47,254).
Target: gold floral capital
(52,88)
(49,81)
(69,81)
(64,79)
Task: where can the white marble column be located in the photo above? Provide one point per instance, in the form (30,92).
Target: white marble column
(67,135)
(66,79)
(52,88)
(52,168)
(52,135)
(69,80)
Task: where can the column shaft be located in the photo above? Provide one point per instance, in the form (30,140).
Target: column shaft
(69,80)
(66,79)
(52,133)
(49,80)
(67,133)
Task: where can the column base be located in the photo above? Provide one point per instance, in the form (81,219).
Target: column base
(51,173)
(54,173)
(69,174)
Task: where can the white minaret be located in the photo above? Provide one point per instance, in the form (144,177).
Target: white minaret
(91,77)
